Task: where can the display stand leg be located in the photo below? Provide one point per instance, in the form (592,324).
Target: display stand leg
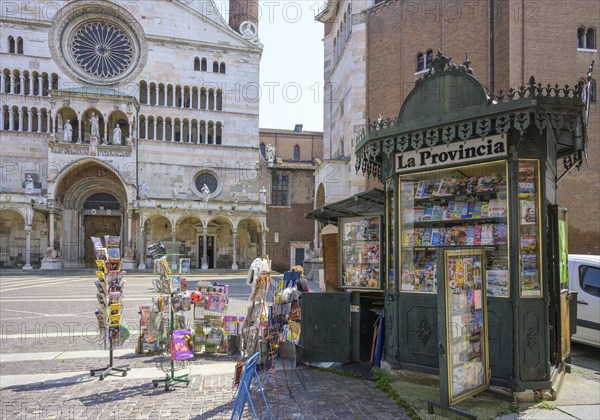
(110,369)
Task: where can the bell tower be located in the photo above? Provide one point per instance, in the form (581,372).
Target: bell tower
(242,11)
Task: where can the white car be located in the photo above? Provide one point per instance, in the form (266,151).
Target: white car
(584,278)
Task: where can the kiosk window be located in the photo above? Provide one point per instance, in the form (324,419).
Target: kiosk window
(457,208)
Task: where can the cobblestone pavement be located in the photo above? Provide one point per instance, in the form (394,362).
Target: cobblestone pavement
(48,343)
(327,396)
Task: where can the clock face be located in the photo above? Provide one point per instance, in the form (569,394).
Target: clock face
(248,29)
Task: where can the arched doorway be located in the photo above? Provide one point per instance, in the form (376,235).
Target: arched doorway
(101,217)
(12,250)
(248,239)
(93,201)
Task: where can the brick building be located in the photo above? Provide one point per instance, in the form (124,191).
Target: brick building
(290,192)
(375,50)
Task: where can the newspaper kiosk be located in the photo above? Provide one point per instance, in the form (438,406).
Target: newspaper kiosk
(473,232)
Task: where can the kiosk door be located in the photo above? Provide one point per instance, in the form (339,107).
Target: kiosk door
(464,364)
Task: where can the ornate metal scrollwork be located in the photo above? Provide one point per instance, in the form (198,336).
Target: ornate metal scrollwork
(424,331)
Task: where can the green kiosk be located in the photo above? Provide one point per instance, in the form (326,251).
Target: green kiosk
(470,233)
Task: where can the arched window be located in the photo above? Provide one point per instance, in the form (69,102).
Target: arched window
(262,149)
(11,45)
(196,64)
(420,62)
(215,67)
(296,152)
(203,67)
(590,39)
(222,68)
(580,38)
(429,59)
(19,45)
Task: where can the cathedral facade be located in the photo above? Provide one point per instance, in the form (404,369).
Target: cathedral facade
(137,119)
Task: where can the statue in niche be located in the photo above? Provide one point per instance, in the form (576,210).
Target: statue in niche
(270,153)
(144,190)
(95,125)
(205,192)
(235,198)
(117,135)
(28,184)
(68,132)
(262,197)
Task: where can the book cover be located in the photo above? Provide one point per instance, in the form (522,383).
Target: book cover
(528,212)
(427,213)
(114,254)
(477,235)
(182,345)
(427,236)
(446,187)
(500,234)
(435,237)
(459,235)
(487,235)
(421,189)
(470,235)
(438,213)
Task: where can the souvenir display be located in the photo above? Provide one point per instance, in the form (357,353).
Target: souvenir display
(110,286)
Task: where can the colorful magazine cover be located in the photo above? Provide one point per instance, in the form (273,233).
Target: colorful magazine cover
(114,254)
(182,345)
(528,212)
(292,332)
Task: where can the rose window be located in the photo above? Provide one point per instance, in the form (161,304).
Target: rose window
(102,50)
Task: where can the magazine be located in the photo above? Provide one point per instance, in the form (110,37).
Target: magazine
(182,345)
(528,212)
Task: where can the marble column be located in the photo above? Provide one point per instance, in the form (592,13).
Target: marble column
(130,229)
(29,120)
(189,132)
(1,82)
(181,131)
(198,133)
(20,120)
(142,248)
(51,229)
(79,136)
(175,262)
(22,85)
(49,121)
(105,133)
(164,130)
(30,85)
(198,107)
(1,120)
(172,130)
(234,266)
(154,135)
(40,85)
(147,93)
(27,265)
(12,83)
(204,250)
(11,119)
(264,241)
(146,129)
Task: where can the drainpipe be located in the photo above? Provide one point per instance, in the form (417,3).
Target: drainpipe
(492,41)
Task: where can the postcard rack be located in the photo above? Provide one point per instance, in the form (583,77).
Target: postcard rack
(110,286)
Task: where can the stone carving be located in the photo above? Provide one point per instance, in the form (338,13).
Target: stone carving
(235,198)
(262,196)
(68,132)
(144,190)
(117,135)
(51,254)
(270,153)
(28,184)
(205,192)
(95,125)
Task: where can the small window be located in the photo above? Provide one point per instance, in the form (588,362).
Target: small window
(262,150)
(590,39)
(420,62)
(296,152)
(279,190)
(580,38)
(589,279)
(215,67)
(429,59)
(19,45)
(222,68)
(196,64)
(11,45)
(203,67)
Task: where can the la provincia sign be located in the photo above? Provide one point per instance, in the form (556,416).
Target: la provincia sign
(453,154)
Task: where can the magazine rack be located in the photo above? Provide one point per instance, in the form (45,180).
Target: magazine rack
(170,376)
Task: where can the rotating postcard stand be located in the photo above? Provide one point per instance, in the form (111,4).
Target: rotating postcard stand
(110,291)
(170,290)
